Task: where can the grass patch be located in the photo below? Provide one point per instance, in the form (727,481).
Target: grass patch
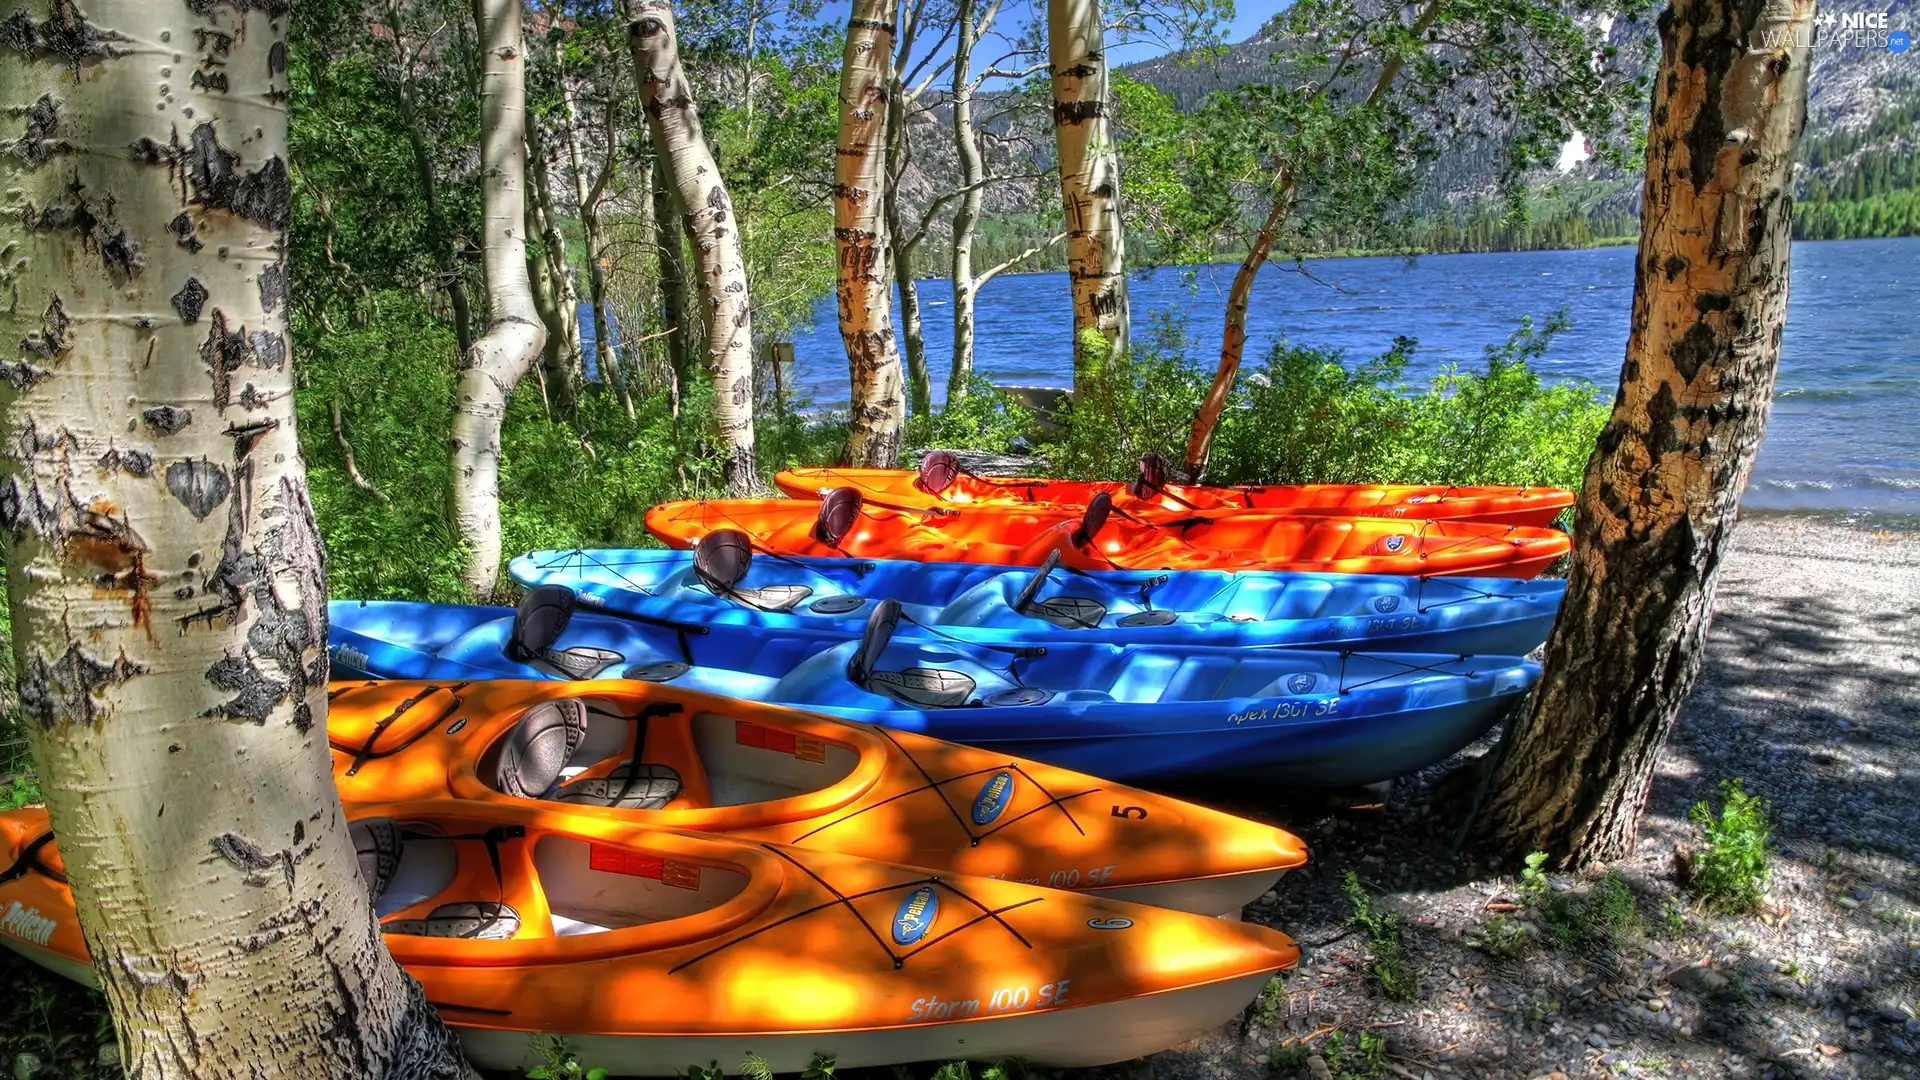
(1733,864)
(1602,916)
(60,1023)
(1388,969)
(1358,1059)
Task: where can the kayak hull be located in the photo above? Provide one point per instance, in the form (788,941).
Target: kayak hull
(650,950)
(1205,540)
(1068,1039)
(1125,713)
(983,603)
(761,772)
(904,489)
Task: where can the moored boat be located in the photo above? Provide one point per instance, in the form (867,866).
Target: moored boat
(941,481)
(762,772)
(1101,538)
(721,581)
(651,949)
(1122,712)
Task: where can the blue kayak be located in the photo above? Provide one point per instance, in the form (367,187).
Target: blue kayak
(1125,712)
(721,582)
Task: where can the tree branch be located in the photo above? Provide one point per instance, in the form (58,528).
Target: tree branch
(980,280)
(346,451)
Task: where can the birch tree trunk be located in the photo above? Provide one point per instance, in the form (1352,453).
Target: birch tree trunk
(587,196)
(899,150)
(1663,486)
(1089,172)
(707,215)
(438,233)
(561,357)
(673,285)
(167,581)
(859,230)
(973,175)
(502,356)
(1233,339)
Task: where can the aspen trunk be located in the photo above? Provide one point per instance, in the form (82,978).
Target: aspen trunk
(167,581)
(1233,339)
(1233,342)
(859,194)
(587,196)
(560,358)
(1089,172)
(673,284)
(503,355)
(973,174)
(919,386)
(707,216)
(1663,486)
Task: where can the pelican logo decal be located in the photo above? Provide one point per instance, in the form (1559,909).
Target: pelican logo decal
(994,796)
(27,924)
(1386,604)
(347,656)
(1394,543)
(1301,683)
(915,916)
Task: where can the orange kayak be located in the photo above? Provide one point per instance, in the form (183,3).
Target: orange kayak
(764,772)
(1103,538)
(651,948)
(941,482)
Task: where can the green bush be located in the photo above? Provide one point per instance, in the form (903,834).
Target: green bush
(1733,864)
(983,419)
(1306,415)
(1390,969)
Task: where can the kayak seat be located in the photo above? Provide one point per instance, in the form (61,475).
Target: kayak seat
(721,561)
(405,871)
(601,771)
(929,688)
(533,754)
(992,603)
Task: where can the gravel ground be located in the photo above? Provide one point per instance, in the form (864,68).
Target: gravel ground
(1811,694)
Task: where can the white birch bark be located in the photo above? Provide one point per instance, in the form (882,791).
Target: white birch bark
(502,356)
(712,231)
(973,173)
(554,294)
(865,289)
(1089,171)
(167,581)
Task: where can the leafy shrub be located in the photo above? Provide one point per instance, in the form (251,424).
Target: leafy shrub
(1306,415)
(1733,864)
(1601,916)
(1391,970)
(983,419)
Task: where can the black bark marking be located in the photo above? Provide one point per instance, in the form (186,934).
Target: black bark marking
(223,353)
(212,79)
(276,59)
(201,486)
(21,374)
(191,298)
(62,691)
(116,247)
(49,343)
(37,146)
(212,42)
(251,398)
(247,436)
(137,463)
(1712,301)
(182,229)
(1697,348)
(121,254)
(264,196)
(273,287)
(1675,267)
(269,350)
(255,693)
(66,34)
(243,853)
(166,419)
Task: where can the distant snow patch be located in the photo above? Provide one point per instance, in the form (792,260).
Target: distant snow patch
(1574,151)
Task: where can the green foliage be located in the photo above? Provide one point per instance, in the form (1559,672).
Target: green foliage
(983,419)
(1305,416)
(1389,968)
(820,1068)
(1359,1060)
(62,1023)
(560,1063)
(20,791)
(1732,866)
(1602,916)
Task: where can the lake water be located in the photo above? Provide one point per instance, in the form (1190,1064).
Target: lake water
(1844,434)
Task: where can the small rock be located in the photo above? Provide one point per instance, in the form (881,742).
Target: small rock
(1847,902)
(110,1055)
(1655,1004)
(1317,1065)
(1856,1021)
(1597,1041)
(25,1067)
(1603,1029)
